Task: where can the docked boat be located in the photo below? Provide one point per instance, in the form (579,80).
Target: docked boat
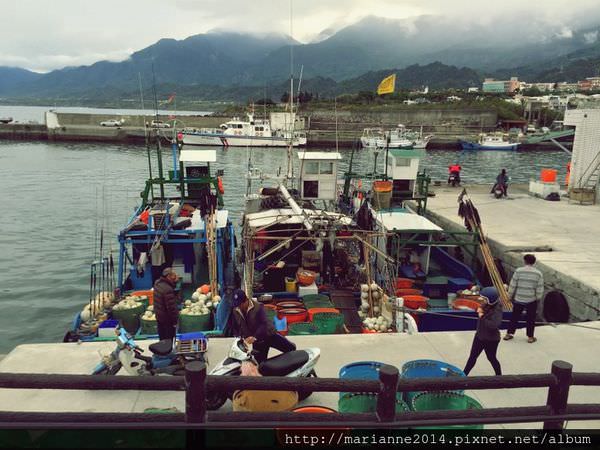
(180,223)
(278,131)
(400,137)
(6,119)
(494,141)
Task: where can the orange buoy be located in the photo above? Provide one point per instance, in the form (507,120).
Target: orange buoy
(220,185)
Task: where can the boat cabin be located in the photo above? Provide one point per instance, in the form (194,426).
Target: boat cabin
(403,169)
(318,175)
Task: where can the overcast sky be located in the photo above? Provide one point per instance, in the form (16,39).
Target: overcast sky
(43,35)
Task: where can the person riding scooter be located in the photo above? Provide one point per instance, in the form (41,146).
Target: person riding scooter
(501,187)
(454,174)
(250,322)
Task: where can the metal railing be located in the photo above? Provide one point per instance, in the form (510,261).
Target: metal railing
(196,384)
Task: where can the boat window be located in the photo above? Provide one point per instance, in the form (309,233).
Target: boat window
(311,189)
(402,162)
(311,168)
(326,168)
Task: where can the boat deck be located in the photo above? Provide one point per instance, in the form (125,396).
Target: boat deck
(563,342)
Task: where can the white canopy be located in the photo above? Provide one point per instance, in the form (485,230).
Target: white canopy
(198,156)
(405,221)
(287,217)
(314,156)
(198,223)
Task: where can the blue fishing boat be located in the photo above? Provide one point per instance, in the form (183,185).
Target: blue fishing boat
(180,223)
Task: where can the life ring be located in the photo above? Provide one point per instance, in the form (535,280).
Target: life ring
(220,185)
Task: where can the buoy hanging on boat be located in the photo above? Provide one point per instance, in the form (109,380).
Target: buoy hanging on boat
(220,185)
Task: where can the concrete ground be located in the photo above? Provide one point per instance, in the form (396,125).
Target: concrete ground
(520,223)
(574,344)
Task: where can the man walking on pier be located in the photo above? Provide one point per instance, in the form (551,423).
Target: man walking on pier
(526,289)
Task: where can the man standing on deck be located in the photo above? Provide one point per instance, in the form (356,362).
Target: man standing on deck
(165,304)
(526,289)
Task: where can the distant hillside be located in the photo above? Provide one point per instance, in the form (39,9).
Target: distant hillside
(12,77)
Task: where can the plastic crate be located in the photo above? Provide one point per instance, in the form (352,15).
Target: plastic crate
(107,328)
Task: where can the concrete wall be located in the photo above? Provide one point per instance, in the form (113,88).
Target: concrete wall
(573,290)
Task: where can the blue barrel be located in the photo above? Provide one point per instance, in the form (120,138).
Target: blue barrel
(362,370)
(428,368)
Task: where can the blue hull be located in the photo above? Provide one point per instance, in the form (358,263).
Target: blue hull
(476,146)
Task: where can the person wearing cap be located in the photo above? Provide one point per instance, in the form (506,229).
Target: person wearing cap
(165,304)
(250,323)
(487,336)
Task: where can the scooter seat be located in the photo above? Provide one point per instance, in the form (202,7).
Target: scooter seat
(283,364)
(162,348)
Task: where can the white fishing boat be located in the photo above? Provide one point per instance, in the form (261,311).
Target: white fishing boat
(494,141)
(249,133)
(400,137)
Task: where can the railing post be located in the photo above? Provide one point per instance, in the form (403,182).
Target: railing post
(386,399)
(558,394)
(195,400)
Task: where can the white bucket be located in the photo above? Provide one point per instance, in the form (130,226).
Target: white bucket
(451,298)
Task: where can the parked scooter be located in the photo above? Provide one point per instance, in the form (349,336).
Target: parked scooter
(454,179)
(166,359)
(297,363)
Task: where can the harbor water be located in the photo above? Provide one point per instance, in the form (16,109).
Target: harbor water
(56,197)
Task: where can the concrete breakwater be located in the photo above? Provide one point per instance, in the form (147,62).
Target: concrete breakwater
(565,249)
(323,128)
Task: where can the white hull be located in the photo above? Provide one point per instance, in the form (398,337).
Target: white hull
(239,141)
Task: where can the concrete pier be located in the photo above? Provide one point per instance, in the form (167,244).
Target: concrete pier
(569,343)
(564,237)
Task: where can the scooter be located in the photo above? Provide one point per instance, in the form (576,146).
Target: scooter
(454,179)
(499,190)
(166,359)
(297,363)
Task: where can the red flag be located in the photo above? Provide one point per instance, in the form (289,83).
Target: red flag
(171,98)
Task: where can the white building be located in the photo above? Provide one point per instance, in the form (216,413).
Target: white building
(585,161)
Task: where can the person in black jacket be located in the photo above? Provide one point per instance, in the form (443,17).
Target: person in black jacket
(250,323)
(165,304)
(487,336)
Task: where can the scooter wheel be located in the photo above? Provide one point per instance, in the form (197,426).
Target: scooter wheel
(110,370)
(215,400)
(303,395)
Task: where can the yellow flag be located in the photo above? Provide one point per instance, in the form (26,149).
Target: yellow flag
(387,86)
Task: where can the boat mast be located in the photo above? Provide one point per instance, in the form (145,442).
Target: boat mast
(290,172)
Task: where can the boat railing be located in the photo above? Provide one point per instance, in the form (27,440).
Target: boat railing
(196,384)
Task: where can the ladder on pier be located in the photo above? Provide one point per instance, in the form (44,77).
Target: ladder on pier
(586,189)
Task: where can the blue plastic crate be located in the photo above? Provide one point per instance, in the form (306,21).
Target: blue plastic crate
(458,284)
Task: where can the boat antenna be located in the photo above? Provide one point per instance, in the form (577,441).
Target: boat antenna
(337,145)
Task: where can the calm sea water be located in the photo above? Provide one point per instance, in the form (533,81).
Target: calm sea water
(55,196)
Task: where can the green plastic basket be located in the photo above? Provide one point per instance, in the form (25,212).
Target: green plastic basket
(329,323)
(188,323)
(317,301)
(366,403)
(302,328)
(446,401)
(129,318)
(149,326)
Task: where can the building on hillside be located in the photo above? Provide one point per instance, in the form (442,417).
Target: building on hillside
(585,160)
(500,87)
(472,89)
(567,87)
(589,84)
